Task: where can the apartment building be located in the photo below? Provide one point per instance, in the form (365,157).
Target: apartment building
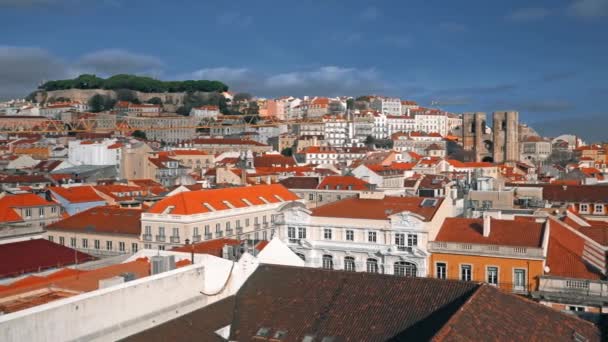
(170,129)
(319,155)
(205,112)
(99,231)
(387,105)
(371,233)
(508,254)
(240,212)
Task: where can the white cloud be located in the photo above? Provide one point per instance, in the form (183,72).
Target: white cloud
(117,61)
(326,80)
(589,8)
(23,68)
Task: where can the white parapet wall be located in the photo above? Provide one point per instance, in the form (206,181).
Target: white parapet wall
(125,309)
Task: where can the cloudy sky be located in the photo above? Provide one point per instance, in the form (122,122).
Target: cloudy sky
(546,59)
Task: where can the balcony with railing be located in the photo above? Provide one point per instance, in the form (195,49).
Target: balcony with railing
(174,239)
(481,249)
(229,231)
(196,238)
(572,289)
(239,230)
(219,234)
(208,236)
(147,237)
(265,225)
(256,226)
(160,238)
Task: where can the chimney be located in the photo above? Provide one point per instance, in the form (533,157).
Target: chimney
(486,224)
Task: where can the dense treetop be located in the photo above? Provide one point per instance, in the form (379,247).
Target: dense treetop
(132,82)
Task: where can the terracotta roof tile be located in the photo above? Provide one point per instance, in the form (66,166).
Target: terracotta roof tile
(519,232)
(193,202)
(376,209)
(77,194)
(102,220)
(36,255)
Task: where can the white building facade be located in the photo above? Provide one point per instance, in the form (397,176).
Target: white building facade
(393,244)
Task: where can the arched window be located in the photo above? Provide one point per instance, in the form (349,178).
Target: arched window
(372,265)
(302,256)
(405,269)
(349,264)
(328,262)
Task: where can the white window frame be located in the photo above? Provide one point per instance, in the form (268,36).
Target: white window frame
(488,275)
(461,274)
(350,235)
(445,270)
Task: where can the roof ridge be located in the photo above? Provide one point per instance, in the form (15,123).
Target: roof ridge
(445,329)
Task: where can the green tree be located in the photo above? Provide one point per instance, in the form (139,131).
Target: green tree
(369,140)
(126,95)
(97,103)
(350,104)
(287,152)
(139,134)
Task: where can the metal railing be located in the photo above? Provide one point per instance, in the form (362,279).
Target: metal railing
(174,239)
(160,238)
(147,237)
(196,238)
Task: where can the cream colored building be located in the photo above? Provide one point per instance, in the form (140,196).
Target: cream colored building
(242,212)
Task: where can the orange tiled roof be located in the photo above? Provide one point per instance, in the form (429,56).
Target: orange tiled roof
(518,232)
(376,209)
(344,183)
(212,247)
(565,255)
(77,194)
(193,202)
(103,220)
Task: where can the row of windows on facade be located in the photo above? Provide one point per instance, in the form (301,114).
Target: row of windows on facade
(404,268)
(597,208)
(400,268)
(466,274)
(84,243)
(401,239)
(218,227)
(41,211)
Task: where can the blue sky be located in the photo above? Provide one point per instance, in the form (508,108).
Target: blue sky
(546,59)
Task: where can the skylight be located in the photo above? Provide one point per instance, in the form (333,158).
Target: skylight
(429,202)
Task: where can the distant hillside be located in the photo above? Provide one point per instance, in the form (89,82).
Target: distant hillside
(173,95)
(136,83)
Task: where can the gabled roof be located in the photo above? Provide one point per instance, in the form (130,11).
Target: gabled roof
(36,255)
(565,255)
(376,209)
(356,306)
(102,220)
(300,182)
(343,183)
(522,231)
(204,201)
(572,193)
(77,194)
(9,202)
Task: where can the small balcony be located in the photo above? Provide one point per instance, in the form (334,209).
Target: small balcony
(208,236)
(147,237)
(239,230)
(256,226)
(174,239)
(196,238)
(229,231)
(265,225)
(160,238)
(219,234)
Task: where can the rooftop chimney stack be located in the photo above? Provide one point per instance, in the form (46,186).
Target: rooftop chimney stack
(486,224)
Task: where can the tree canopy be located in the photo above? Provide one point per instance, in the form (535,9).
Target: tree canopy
(133,82)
